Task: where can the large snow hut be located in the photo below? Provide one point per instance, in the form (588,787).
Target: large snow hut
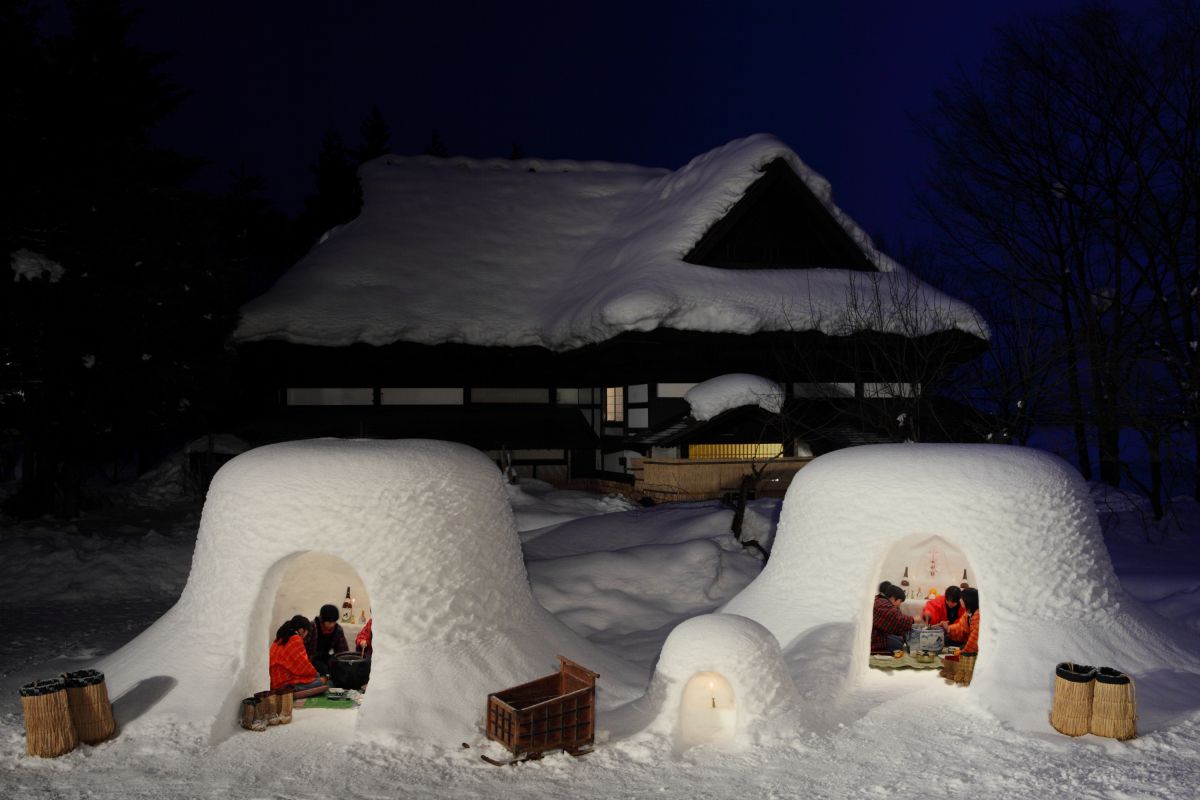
(560,310)
(428,528)
(1026,525)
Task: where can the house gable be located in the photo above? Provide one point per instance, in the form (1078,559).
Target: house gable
(778,224)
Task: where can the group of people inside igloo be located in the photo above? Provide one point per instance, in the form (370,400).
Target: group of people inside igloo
(428,526)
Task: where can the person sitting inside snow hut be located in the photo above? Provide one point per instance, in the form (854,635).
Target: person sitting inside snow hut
(362,642)
(966,628)
(325,638)
(289,664)
(945,607)
(889,624)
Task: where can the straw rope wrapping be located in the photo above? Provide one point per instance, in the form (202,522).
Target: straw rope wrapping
(964,671)
(48,728)
(253,718)
(1114,705)
(91,712)
(1071,711)
(284,700)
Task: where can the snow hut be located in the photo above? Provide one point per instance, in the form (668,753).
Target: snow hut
(720,681)
(1026,525)
(428,528)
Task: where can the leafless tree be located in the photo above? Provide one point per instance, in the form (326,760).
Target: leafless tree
(1067,174)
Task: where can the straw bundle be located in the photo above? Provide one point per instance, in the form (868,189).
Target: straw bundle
(966,669)
(1074,685)
(91,713)
(949,667)
(283,698)
(48,728)
(1114,705)
(269,706)
(253,717)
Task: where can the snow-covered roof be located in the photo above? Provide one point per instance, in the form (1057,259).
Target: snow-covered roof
(426,526)
(724,392)
(1027,527)
(562,254)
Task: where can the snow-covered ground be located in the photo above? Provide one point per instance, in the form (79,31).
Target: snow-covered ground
(622,577)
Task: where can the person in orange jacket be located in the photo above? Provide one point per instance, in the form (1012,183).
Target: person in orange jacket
(943,607)
(966,628)
(289,664)
(363,641)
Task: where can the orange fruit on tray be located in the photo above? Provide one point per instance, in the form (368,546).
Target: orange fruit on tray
(898,654)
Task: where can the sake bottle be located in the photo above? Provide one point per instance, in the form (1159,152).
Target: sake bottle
(348,608)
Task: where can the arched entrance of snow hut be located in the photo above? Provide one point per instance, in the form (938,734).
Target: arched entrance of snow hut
(310,580)
(708,711)
(923,566)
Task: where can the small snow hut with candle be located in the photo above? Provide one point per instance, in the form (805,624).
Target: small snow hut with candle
(720,681)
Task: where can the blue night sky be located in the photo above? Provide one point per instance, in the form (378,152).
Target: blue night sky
(651,83)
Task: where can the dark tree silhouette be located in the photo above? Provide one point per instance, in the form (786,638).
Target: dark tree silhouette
(114,328)
(437,147)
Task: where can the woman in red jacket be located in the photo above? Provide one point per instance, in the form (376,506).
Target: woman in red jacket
(290,666)
(966,628)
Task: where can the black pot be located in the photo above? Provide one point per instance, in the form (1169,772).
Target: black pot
(349,670)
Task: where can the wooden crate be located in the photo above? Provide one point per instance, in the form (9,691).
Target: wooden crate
(557,712)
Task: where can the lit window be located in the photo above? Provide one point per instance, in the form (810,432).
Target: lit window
(735,451)
(614,404)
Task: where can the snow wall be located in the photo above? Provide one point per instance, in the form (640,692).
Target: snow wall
(428,527)
(1026,524)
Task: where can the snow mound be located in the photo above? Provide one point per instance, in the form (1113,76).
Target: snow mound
(724,392)
(720,680)
(1026,525)
(562,254)
(428,528)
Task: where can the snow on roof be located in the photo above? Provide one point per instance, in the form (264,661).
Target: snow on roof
(725,392)
(562,254)
(1028,529)
(427,527)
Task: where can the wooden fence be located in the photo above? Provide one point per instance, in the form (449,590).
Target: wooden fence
(675,479)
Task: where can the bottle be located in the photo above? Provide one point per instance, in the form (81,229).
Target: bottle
(348,608)
(362,617)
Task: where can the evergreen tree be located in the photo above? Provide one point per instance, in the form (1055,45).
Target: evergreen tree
(338,197)
(437,147)
(114,328)
(375,137)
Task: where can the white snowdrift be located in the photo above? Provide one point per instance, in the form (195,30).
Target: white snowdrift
(562,254)
(1027,527)
(725,392)
(427,526)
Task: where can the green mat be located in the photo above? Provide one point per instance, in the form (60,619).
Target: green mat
(321,701)
(908,662)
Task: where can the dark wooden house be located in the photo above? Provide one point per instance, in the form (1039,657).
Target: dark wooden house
(555,313)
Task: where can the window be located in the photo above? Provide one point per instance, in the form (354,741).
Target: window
(330,397)
(751,451)
(614,404)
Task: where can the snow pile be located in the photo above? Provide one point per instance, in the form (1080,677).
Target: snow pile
(725,392)
(626,579)
(428,528)
(720,680)
(562,254)
(1027,527)
(537,504)
(31,266)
